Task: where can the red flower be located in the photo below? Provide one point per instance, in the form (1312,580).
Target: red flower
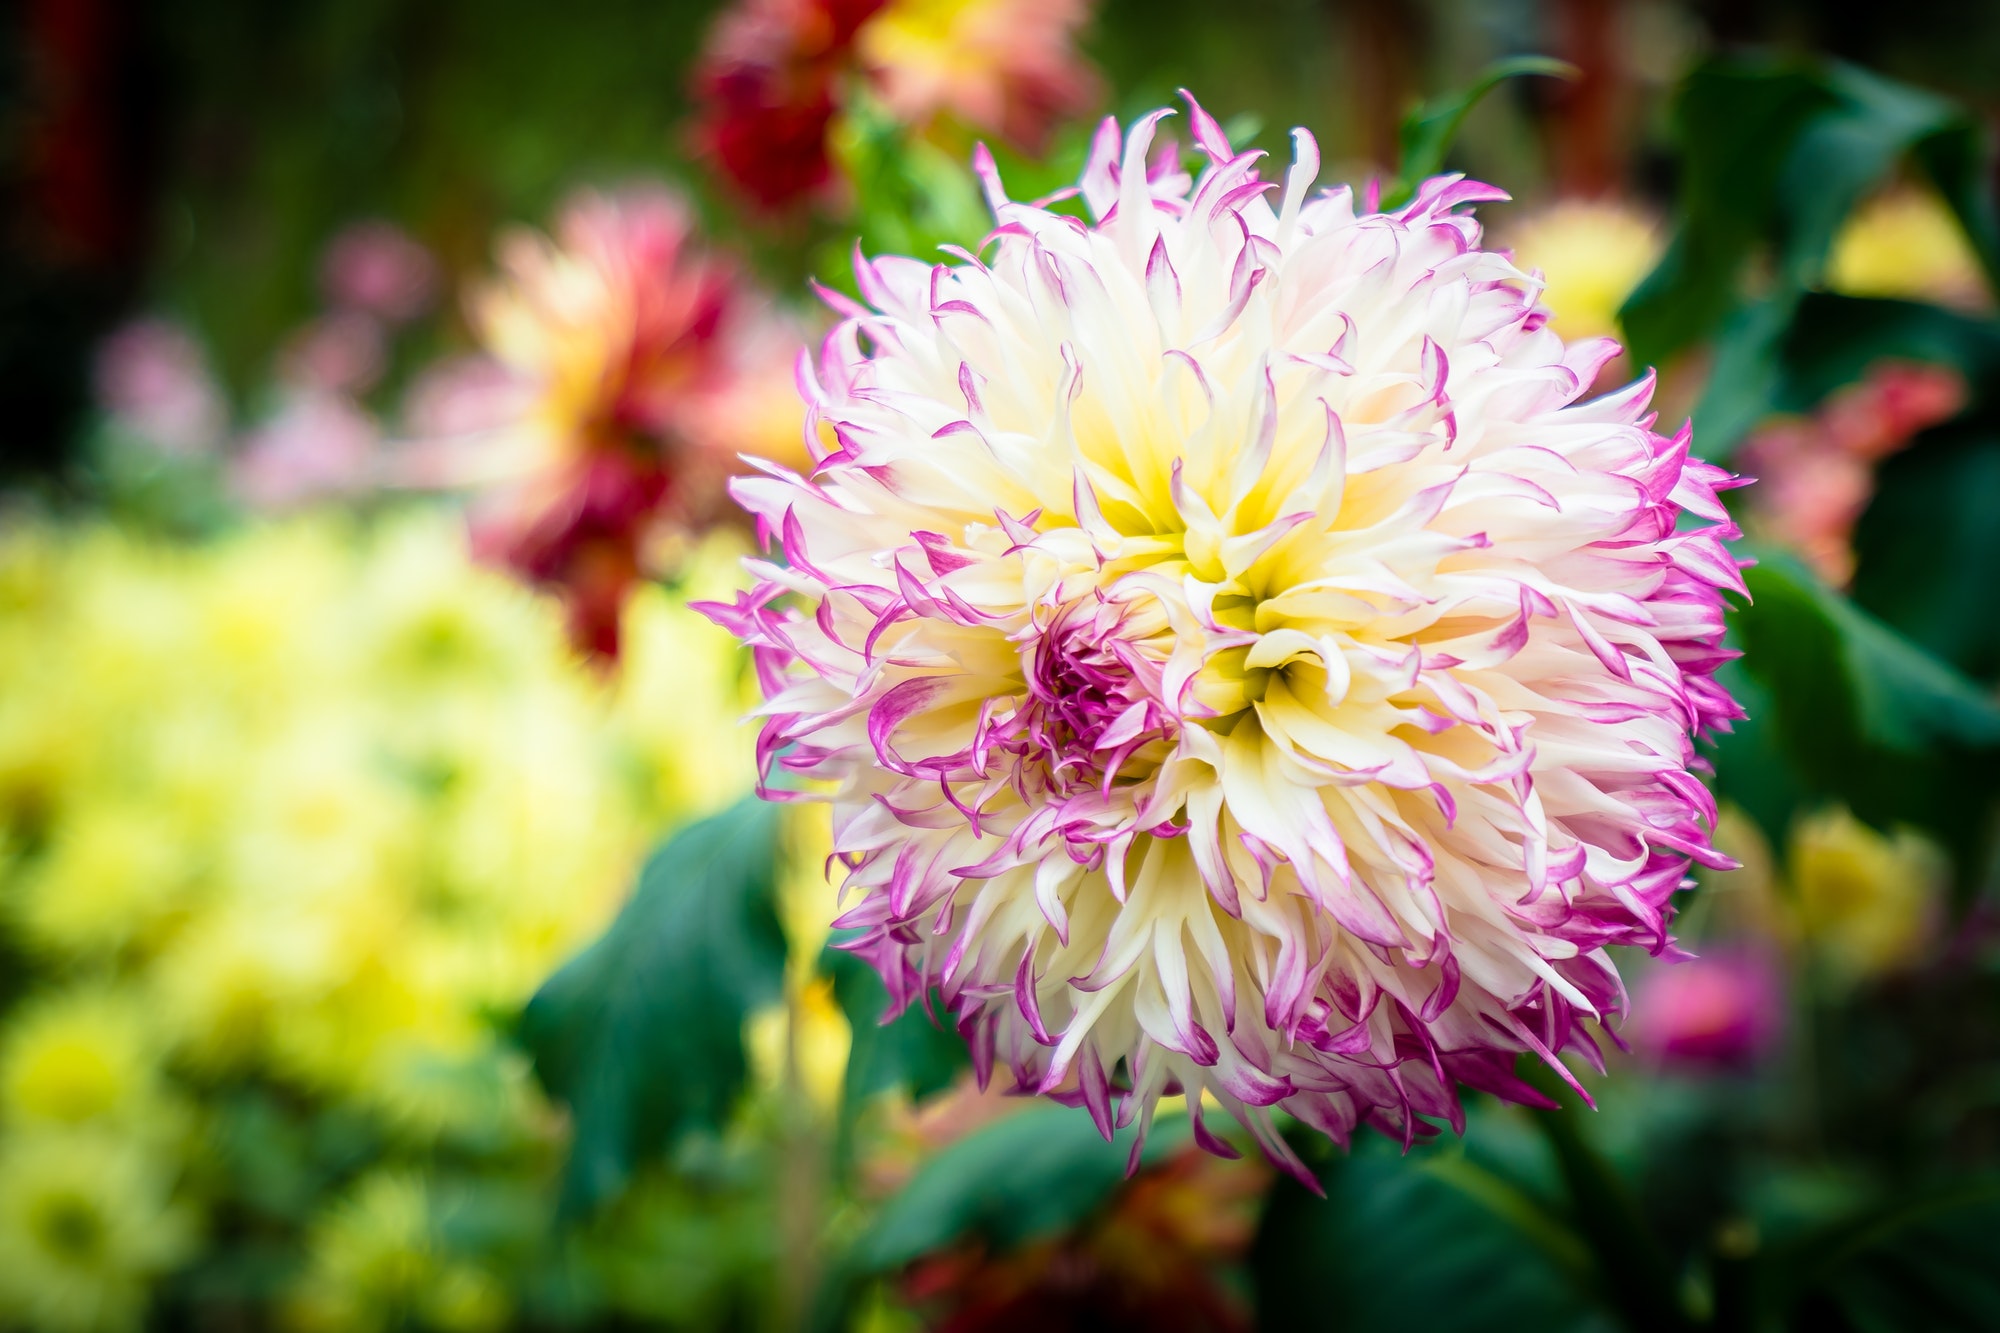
(767,87)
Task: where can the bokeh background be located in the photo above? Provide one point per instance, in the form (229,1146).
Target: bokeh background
(346,677)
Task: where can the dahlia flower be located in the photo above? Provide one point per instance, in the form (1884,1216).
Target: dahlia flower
(154,382)
(609,346)
(1905,243)
(1238,659)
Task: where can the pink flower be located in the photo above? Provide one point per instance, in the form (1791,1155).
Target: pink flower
(319,445)
(1240,660)
(154,382)
(375,268)
(343,352)
(1725,1009)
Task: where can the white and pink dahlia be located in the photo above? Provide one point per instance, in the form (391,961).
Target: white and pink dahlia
(1241,664)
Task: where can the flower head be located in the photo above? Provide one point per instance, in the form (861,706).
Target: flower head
(1005,67)
(1591,254)
(1868,903)
(153,379)
(1241,661)
(86,1225)
(1905,243)
(75,1057)
(613,340)
(1724,1010)
(777,73)
(767,84)
(377,268)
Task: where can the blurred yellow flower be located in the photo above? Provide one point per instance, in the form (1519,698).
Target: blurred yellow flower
(1591,255)
(78,1056)
(1905,243)
(1005,67)
(338,793)
(310,805)
(375,1263)
(1868,903)
(114,870)
(86,1223)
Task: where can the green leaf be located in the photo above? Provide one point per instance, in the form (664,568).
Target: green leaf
(912,195)
(1035,1173)
(641,1034)
(1857,713)
(912,1050)
(1775,155)
(1788,352)
(1428,132)
(1835,339)
(1747,374)
(1435,1240)
(1735,119)
(1832,667)
(1924,1263)
(1928,550)
(1842,153)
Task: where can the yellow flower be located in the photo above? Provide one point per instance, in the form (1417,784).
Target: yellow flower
(1867,903)
(375,1263)
(1905,243)
(78,1056)
(1005,67)
(1591,254)
(114,870)
(328,794)
(221,983)
(87,1224)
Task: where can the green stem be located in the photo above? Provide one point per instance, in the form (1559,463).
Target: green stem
(1638,1282)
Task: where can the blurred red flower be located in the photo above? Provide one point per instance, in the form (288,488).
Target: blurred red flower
(766,84)
(1816,473)
(775,72)
(596,419)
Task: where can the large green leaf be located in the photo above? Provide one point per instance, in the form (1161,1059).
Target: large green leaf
(1735,119)
(1033,1174)
(1927,1263)
(1928,547)
(1835,339)
(641,1034)
(1436,1239)
(1787,352)
(1857,713)
(1839,672)
(1775,155)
